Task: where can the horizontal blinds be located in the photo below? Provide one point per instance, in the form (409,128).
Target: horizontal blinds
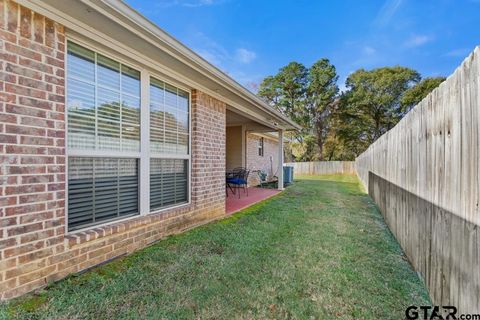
(103,112)
(169,114)
(103,102)
(101,189)
(168,182)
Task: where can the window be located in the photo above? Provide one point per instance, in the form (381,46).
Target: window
(169,128)
(169,136)
(101,189)
(103,106)
(260,147)
(104,103)
(168,182)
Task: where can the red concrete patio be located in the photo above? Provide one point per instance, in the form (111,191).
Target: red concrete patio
(255,195)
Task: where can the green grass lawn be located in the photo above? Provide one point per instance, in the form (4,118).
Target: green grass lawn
(320,250)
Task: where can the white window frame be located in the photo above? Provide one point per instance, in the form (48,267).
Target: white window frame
(187,156)
(143,155)
(261,147)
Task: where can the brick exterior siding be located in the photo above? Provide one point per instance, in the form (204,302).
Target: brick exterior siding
(32,148)
(256,162)
(34,249)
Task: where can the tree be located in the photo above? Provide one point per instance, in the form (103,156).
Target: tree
(371,106)
(286,92)
(342,127)
(269,90)
(337,146)
(322,90)
(303,95)
(415,94)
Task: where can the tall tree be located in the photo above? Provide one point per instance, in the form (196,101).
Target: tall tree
(322,90)
(269,90)
(292,80)
(286,92)
(415,94)
(340,128)
(371,106)
(303,95)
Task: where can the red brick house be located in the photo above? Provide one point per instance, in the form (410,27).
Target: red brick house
(112,135)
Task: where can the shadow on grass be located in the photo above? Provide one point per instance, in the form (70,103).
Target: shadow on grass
(317,250)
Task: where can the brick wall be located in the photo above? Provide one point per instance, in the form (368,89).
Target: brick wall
(32,146)
(208,152)
(34,249)
(256,162)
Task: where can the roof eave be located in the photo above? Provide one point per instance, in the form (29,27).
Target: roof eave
(122,14)
(189,55)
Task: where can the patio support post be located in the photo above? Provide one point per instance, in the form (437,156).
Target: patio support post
(280,159)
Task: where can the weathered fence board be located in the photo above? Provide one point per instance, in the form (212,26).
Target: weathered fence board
(424,175)
(323,167)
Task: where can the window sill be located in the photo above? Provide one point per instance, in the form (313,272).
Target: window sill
(78,237)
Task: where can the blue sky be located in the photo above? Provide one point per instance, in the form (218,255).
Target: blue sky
(250,39)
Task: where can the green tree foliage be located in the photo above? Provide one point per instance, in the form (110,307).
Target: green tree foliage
(304,95)
(341,126)
(415,94)
(336,146)
(322,90)
(286,91)
(373,99)
(369,107)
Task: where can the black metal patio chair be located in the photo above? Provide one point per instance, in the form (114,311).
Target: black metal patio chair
(238,179)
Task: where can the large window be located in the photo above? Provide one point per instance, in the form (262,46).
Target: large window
(104,140)
(103,103)
(169,132)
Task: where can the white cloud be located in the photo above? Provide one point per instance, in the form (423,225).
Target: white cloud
(387,11)
(458,53)
(367,50)
(231,61)
(210,50)
(218,55)
(210,56)
(243,55)
(417,40)
(342,87)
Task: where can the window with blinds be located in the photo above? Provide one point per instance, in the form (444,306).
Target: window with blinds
(101,189)
(104,104)
(103,112)
(103,100)
(169,109)
(168,182)
(169,136)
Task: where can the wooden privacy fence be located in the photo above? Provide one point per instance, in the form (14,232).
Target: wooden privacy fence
(424,175)
(322,167)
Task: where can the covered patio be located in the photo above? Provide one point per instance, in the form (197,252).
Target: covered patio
(245,146)
(233,203)
(243,136)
